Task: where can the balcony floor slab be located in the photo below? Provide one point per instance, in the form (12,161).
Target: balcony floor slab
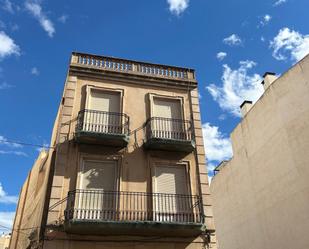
(170,144)
(116,140)
(142,228)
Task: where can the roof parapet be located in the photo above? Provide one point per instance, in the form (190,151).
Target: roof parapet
(108,63)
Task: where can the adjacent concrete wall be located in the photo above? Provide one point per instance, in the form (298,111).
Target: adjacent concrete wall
(30,208)
(261,196)
(4,241)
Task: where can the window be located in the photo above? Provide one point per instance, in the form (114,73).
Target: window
(98,175)
(96,197)
(171,201)
(167,119)
(103,112)
(104,101)
(166,108)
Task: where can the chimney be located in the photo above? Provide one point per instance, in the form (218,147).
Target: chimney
(245,107)
(269,78)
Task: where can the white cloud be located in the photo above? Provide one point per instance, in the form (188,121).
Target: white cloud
(6,219)
(44,147)
(211,167)
(63,18)
(36,10)
(279,2)
(5,198)
(265,20)
(262,38)
(7,6)
(237,85)
(221,55)
(232,40)
(13,152)
(217,146)
(11,145)
(176,7)
(35,71)
(7,46)
(4,141)
(4,86)
(290,43)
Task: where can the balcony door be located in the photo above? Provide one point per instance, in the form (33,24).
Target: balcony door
(104,115)
(167,116)
(171,203)
(97,199)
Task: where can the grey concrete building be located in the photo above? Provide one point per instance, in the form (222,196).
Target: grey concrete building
(261,196)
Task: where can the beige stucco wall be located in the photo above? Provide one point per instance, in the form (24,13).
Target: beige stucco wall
(261,196)
(135,163)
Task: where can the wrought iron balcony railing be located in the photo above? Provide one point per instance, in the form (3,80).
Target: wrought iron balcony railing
(92,121)
(171,129)
(121,206)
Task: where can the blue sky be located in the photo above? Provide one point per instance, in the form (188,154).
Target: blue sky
(230,44)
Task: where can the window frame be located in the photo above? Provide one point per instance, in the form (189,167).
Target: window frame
(166,163)
(98,158)
(119,91)
(152,96)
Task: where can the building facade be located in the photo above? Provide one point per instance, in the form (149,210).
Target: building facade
(126,167)
(261,196)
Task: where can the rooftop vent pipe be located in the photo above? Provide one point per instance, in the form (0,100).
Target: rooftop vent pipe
(269,78)
(245,107)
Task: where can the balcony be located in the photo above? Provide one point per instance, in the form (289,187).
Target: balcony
(169,134)
(132,213)
(106,128)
